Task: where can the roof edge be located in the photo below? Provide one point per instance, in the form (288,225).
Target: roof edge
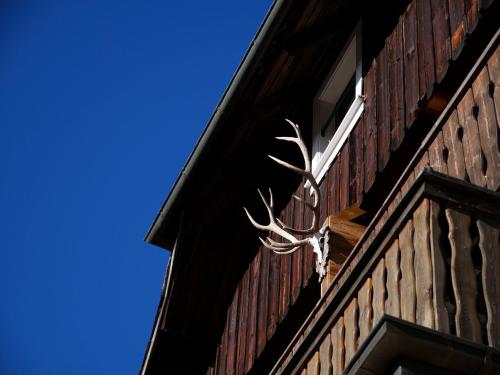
(257,48)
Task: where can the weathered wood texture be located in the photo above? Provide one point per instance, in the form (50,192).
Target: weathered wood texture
(428,35)
(441,269)
(422,296)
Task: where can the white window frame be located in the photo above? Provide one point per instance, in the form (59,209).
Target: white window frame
(336,82)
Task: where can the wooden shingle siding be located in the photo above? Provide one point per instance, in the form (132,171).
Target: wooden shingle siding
(253,298)
(441,37)
(242,324)
(396,76)
(383,110)
(403,74)
(425,50)
(262,308)
(370,121)
(457,26)
(440,268)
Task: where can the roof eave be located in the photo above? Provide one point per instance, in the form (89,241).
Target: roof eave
(161,232)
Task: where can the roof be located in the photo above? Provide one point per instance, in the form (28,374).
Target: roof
(160,234)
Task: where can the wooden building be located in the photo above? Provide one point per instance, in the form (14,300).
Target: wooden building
(399,105)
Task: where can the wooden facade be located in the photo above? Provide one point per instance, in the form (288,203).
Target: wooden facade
(430,84)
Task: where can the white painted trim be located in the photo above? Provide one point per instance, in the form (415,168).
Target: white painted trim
(323,153)
(339,138)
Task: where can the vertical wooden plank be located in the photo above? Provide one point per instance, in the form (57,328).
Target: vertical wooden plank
(242,323)
(253,302)
(273,300)
(284,298)
(356,161)
(463,276)
(285,267)
(383,107)
(397,85)
(425,48)
(436,158)
(442,323)
(392,259)
(494,73)
(488,128)
(351,330)
(411,66)
(222,354)
(313,365)
(365,295)
(370,122)
(325,355)
(307,255)
(456,161)
(423,266)
(297,256)
(471,145)
(379,291)
(489,245)
(333,189)
(441,34)
(264,288)
(472,13)
(407,284)
(323,190)
(233,335)
(344,177)
(338,347)
(457,26)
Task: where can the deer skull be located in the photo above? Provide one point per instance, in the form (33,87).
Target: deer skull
(313,235)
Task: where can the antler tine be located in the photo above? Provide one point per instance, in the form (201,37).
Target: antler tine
(273,226)
(278,250)
(301,144)
(307,174)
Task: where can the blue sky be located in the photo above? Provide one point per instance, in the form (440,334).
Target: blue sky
(101,103)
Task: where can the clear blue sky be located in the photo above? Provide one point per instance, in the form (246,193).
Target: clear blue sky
(101,103)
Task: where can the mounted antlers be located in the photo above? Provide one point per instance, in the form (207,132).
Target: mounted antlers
(281,229)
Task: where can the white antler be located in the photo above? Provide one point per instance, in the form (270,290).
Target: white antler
(307,174)
(277,226)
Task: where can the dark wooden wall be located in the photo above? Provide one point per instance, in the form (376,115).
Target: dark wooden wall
(399,81)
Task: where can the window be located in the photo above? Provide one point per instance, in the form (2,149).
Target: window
(337,106)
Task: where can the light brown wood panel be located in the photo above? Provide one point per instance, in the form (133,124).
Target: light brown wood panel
(488,128)
(463,275)
(427,73)
(441,319)
(313,365)
(409,65)
(351,330)
(494,73)
(365,309)
(489,245)
(392,258)
(338,347)
(441,36)
(456,163)
(325,356)
(472,147)
(436,159)
(423,266)
(379,292)
(407,284)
